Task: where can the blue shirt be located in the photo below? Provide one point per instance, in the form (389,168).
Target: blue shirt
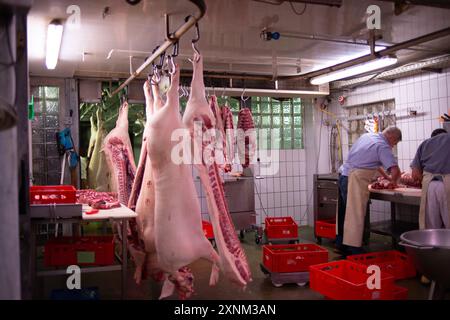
(433,155)
(370,151)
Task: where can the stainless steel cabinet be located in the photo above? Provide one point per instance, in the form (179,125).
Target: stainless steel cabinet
(326,195)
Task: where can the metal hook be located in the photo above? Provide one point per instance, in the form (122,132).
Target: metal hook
(242,95)
(171,65)
(175,51)
(197,29)
(156,78)
(169,35)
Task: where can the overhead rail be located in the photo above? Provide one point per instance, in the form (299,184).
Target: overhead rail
(170,40)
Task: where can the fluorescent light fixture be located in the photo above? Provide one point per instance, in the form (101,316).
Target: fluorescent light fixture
(54,36)
(355,70)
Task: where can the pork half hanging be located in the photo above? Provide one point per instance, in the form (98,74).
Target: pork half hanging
(119,157)
(179,237)
(233,261)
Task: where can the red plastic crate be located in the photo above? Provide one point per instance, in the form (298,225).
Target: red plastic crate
(52,194)
(281,228)
(347,280)
(326,228)
(208,229)
(293,257)
(82,251)
(393,262)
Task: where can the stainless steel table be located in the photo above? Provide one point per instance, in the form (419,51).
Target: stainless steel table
(393,227)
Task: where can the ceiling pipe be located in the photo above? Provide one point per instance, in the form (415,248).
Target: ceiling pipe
(360,42)
(193,19)
(386,52)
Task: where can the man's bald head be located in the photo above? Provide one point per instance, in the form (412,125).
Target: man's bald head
(393,135)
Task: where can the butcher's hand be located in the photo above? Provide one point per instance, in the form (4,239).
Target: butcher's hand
(417,174)
(395,174)
(384,174)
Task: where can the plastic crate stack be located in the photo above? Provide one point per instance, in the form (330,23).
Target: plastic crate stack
(347,279)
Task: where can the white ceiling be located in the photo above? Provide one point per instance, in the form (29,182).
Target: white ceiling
(230,34)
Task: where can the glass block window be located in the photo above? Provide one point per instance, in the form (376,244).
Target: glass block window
(46,161)
(284,119)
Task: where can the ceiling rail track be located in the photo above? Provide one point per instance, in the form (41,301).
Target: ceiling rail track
(170,40)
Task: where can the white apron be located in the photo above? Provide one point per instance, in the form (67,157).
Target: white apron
(427,178)
(355,212)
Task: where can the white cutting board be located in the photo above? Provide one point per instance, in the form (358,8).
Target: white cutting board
(121,212)
(405,191)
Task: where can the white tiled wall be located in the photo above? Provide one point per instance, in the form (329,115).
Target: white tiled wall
(428,94)
(285,193)
(282,194)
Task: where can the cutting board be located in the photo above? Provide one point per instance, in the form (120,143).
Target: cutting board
(405,191)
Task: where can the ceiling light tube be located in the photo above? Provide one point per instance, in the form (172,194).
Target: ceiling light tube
(54,37)
(354,70)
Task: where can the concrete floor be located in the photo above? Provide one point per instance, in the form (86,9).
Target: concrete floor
(260,288)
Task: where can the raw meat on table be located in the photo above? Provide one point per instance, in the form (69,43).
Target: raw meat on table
(383,183)
(407,180)
(98,200)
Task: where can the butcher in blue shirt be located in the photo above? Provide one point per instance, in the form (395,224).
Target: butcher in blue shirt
(431,166)
(370,153)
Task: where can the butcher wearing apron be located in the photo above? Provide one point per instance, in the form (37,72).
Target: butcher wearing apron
(355,212)
(370,152)
(435,201)
(431,164)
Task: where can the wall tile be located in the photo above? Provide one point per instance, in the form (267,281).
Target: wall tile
(442,87)
(434,88)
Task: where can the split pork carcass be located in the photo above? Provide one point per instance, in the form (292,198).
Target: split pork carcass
(98,172)
(119,157)
(220,146)
(179,238)
(246,137)
(227,117)
(142,199)
(233,261)
(92,137)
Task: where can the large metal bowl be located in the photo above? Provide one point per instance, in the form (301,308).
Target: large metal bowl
(430,251)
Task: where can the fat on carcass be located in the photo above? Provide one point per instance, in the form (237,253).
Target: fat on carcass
(179,238)
(142,198)
(229,142)
(233,261)
(220,146)
(246,137)
(97,170)
(92,137)
(119,156)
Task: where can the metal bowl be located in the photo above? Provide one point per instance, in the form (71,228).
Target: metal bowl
(429,250)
